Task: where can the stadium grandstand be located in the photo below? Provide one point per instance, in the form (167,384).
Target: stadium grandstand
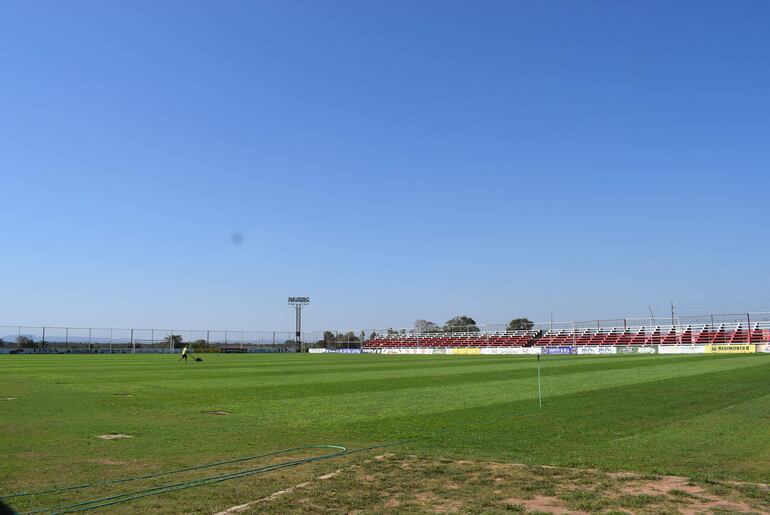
(673,334)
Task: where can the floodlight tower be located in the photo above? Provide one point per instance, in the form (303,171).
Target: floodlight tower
(298,302)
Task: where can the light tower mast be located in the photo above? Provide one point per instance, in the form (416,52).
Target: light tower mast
(298,302)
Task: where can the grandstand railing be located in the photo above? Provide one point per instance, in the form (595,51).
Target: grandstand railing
(700,329)
(709,329)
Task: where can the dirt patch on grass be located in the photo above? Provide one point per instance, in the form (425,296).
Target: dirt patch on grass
(107,461)
(275,495)
(636,486)
(114,436)
(9,398)
(216,412)
(122,394)
(542,504)
(413,484)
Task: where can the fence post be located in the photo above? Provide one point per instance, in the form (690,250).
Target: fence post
(133,345)
(748,319)
(110,340)
(89,338)
(171,341)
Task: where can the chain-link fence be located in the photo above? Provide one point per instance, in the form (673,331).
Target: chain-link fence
(116,340)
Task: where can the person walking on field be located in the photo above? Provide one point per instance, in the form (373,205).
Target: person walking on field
(184,354)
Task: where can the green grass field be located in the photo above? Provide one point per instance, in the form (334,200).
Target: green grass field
(704,417)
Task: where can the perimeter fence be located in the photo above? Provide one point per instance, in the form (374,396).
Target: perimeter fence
(56,339)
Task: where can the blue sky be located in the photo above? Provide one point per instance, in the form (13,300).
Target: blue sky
(392,160)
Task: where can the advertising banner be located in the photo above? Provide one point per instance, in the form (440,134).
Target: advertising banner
(730,349)
(334,351)
(637,350)
(510,350)
(597,350)
(466,350)
(764,347)
(500,350)
(565,349)
(681,349)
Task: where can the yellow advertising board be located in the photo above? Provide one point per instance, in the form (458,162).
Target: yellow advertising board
(731,349)
(466,350)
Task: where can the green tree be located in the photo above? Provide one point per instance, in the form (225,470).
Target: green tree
(24,341)
(461,324)
(328,339)
(200,346)
(520,324)
(425,326)
(176,338)
(346,340)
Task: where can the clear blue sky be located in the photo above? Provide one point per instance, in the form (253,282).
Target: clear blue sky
(393,160)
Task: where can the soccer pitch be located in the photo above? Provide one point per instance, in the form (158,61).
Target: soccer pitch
(702,417)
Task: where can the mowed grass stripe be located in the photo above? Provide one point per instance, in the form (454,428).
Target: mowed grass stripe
(619,428)
(273,405)
(727,432)
(471,406)
(522,400)
(432,394)
(283,386)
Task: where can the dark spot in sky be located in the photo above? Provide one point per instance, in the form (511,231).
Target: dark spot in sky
(236,238)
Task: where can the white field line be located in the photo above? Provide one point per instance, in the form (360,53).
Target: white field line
(275,495)
(625,475)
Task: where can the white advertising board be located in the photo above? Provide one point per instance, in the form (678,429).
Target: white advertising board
(597,350)
(681,349)
(502,350)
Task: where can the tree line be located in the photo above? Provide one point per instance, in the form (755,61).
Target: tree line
(466,324)
(458,324)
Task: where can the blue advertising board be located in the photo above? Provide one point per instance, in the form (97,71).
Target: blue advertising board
(563,349)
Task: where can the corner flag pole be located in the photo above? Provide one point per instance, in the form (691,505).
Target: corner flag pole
(539,391)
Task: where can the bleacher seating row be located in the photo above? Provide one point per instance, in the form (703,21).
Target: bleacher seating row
(657,335)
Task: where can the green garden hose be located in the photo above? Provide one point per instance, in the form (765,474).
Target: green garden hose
(158,474)
(130,496)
